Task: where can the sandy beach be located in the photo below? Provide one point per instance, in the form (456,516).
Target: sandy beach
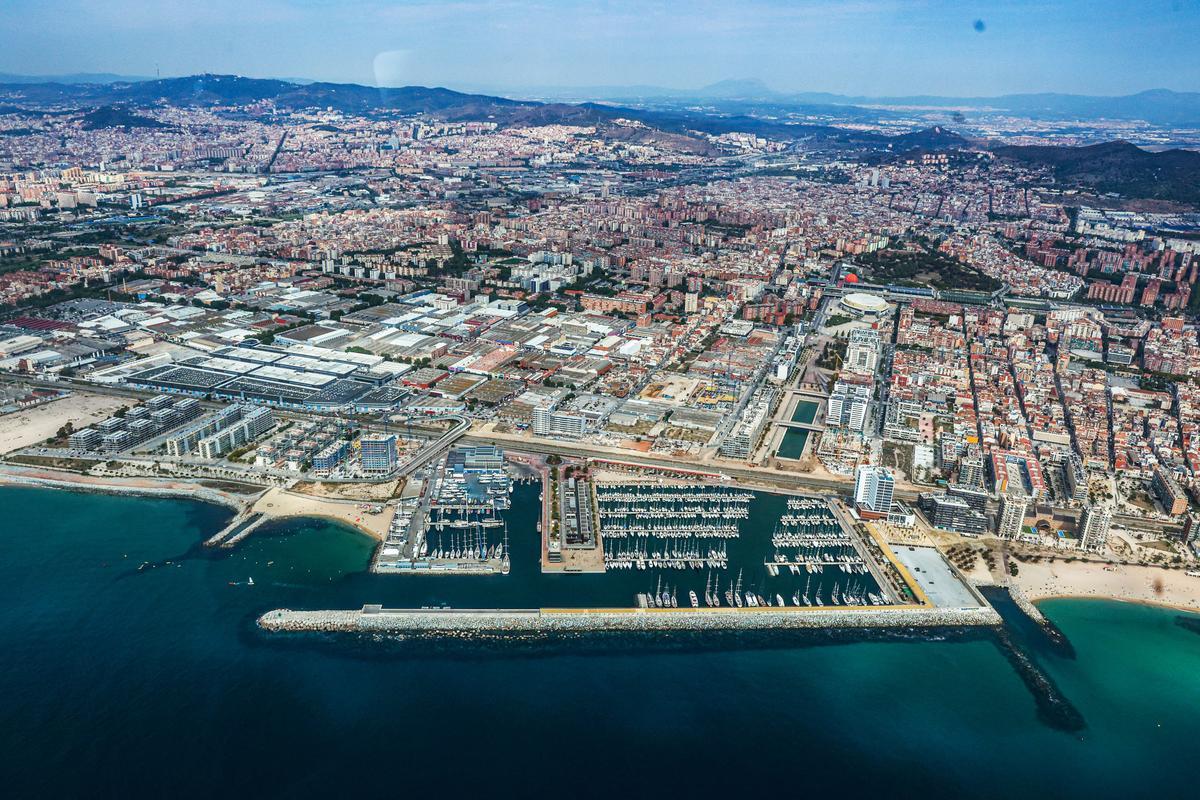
(1152,585)
(282,504)
(273,503)
(27,428)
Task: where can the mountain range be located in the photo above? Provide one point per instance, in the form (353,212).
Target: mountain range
(1156,106)
(1110,167)
(74,77)
(679,126)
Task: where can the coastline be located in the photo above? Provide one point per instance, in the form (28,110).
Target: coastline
(44,478)
(1036,583)
(1112,599)
(272,503)
(278,504)
(1088,580)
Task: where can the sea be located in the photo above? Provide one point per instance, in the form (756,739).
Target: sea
(131,666)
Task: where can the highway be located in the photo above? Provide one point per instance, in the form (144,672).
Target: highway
(783,480)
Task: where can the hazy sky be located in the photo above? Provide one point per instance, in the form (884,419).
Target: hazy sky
(856,46)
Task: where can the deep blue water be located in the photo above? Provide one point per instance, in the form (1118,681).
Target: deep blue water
(151,683)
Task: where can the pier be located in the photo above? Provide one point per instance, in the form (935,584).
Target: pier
(238,528)
(649,526)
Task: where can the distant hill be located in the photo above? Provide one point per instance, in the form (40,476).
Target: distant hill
(1158,106)
(213,90)
(117,117)
(677,127)
(935,138)
(1118,167)
(75,77)
(744,88)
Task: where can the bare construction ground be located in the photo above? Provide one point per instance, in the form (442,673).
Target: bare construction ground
(26,428)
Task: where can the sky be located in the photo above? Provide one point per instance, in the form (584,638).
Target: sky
(868,47)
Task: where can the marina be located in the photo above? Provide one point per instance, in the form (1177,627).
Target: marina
(474,518)
(119,658)
(656,528)
(664,546)
(810,539)
(454,522)
(663,527)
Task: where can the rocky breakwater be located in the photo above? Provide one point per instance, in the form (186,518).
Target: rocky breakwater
(1054,637)
(372,619)
(132,487)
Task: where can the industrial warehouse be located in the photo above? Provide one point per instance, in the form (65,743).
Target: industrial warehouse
(297,377)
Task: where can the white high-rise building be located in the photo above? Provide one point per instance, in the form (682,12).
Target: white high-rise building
(1012,516)
(848,406)
(874,488)
(862,352)
(557,423)
(1094,523)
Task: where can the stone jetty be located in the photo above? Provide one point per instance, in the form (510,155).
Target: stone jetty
(373,619)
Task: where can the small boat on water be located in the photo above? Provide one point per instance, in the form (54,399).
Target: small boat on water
(695,600)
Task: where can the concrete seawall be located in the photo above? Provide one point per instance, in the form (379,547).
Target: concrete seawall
(376,620)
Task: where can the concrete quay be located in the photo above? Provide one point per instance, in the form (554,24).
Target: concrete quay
(373,619)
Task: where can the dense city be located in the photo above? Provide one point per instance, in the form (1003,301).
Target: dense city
(599,398)
(949,352)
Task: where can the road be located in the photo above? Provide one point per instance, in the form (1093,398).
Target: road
(784,480)
(766,476)
(436,448)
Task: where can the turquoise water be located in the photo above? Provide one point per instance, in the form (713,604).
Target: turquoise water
(792,444)
(806,411)
(120,682)
(794,439)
